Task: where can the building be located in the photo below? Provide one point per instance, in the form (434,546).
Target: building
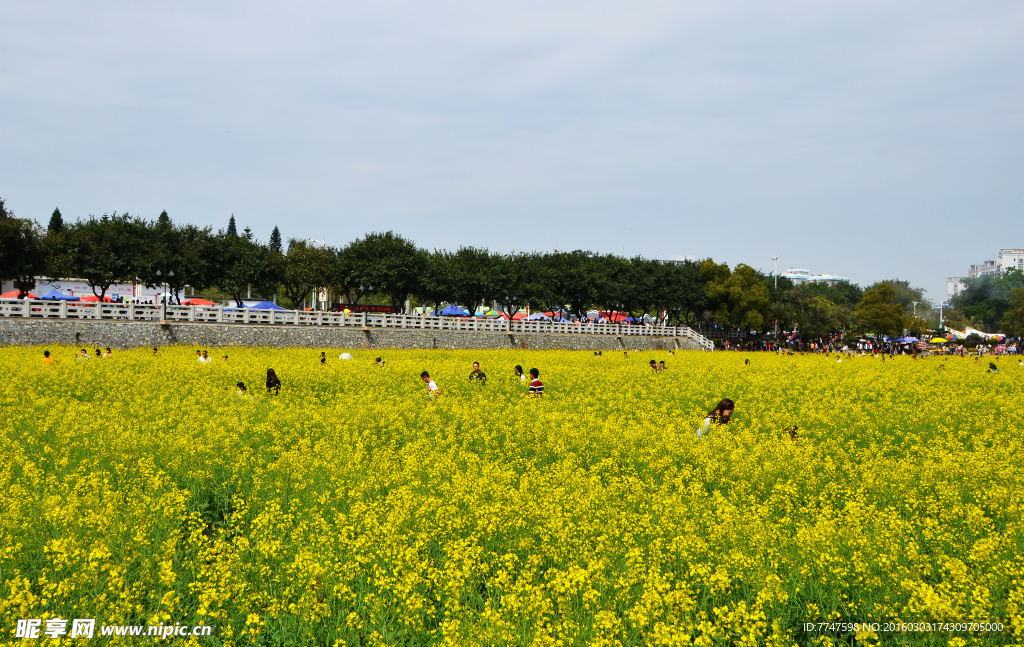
(797,275)
(954,286)
(679,259)
(1011,259)
(982,269)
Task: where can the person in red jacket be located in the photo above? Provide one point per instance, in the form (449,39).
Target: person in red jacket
(536,387)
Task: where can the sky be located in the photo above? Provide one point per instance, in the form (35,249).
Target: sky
(871,140)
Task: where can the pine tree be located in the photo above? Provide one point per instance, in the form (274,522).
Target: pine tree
(275,241)
(231,227)
(56,223)
(163,220)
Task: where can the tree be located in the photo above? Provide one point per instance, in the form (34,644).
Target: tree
(679,291)
(382,263)
(637,291)
(610,281)
(275,241)
(469,276)
(815,309)
(102,251)
(56,223)
(306,268)
(232,232)
(985,299)
(516,275)
(572,277)
(1013,319)
(247,266)
(879,312)
(21,251)
(180,256)
(740,298)
(906,296)
(916,325)
(955,319)
(849,294)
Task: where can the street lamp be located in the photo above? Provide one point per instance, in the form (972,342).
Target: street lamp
(160,272)
(775,259)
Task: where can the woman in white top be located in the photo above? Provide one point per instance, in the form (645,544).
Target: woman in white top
(720,415)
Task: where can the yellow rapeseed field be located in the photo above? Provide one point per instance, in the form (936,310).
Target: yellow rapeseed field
(351,509)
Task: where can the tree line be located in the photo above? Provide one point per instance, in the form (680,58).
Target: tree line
(993,302)
(388,268)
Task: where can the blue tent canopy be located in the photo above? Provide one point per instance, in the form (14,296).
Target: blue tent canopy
(453,311)
(265,305)
(538,316)
(54,295)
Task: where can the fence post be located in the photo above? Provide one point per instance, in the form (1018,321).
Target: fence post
(63,309)
(26,310)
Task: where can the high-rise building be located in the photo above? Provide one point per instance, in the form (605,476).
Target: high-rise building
(954,286)
(1011,259)
(981,269)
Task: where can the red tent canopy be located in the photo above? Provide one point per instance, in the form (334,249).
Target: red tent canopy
(519,315)
(13,294)
(198,302)
(93,297)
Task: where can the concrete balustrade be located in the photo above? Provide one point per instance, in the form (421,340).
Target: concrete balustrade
(34,310)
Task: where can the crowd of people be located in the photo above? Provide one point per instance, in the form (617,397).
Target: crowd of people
(720,415)
(535,388)
(876,347)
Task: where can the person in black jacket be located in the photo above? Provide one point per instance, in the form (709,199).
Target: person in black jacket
(273,384)
(477,375)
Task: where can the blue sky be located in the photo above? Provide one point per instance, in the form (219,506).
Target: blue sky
(872,140)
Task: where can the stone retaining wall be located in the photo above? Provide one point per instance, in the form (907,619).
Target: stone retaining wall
(15,332)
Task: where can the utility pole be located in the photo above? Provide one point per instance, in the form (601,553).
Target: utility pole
(915,307)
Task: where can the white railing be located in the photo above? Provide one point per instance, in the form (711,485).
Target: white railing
(39,309)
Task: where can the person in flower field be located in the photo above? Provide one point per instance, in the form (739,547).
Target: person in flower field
(536,388)
(432,390)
